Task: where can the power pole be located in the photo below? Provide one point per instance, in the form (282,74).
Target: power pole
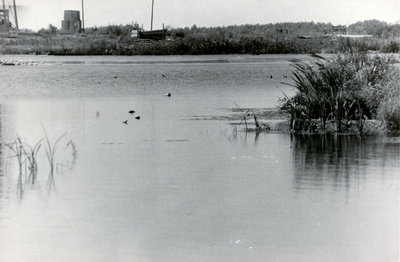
(152,7)
(83,17)
(15,14)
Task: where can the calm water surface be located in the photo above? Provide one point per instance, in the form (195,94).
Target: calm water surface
(169,188)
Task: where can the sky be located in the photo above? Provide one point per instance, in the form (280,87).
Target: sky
(36,14)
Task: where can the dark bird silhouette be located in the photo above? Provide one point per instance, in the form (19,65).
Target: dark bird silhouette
(163,75)
(284,75)
(131,111)
(271,76)
(169,94)
(125,122)
(115,77)
(138,117)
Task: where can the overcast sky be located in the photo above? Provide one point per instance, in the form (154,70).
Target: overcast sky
(36,14)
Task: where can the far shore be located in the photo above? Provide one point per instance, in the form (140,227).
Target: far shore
(32,59)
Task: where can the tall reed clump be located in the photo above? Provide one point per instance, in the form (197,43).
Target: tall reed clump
(17,147)
(243,119)
(31,158)
(51,149)
(27,157)
(338,93)
(389,108)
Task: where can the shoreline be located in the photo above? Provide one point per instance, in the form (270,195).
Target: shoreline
(274,120)
(151,59)
(49,60)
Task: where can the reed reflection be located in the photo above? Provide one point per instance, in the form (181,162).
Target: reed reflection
(22,160)
(243,135)
(338,161)
(1,158)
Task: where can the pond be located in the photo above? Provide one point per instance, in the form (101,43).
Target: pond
(175,185)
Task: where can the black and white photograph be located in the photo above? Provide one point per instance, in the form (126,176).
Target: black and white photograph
(199,131)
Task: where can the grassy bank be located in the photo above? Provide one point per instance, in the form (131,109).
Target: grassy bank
(83,44)
(280,38)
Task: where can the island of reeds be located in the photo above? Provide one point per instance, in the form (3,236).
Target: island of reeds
(350,93)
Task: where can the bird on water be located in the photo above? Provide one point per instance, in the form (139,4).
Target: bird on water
(125,122)
(131,111)
(138,117)
(169,94)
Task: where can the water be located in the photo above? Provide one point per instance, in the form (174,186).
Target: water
(170,188)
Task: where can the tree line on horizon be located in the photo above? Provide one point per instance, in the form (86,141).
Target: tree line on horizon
(368,27)
(278,38)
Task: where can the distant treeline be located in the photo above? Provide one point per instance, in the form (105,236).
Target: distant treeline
(368,27)
(279,38)
(376,28)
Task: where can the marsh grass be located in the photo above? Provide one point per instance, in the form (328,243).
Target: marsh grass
(248,113)
(67,165)
(244,116)
(17,148)
(51,149)
(27,157)
(389,109)
(342,91)
(31,158)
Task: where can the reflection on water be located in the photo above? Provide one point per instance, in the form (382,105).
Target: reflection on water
(1,160)
(340,160)
(198,191)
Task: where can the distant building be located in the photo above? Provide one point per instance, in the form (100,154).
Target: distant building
(72,22)
(5,25)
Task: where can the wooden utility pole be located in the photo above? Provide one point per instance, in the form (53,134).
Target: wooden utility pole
(15,14)
(152,7)
(83,17)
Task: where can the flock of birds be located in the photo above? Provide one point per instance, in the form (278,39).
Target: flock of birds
(169,95)
(19,63)
(133,111)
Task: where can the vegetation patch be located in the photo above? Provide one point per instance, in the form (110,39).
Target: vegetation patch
(27,158)
(342,93)
(279,38)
